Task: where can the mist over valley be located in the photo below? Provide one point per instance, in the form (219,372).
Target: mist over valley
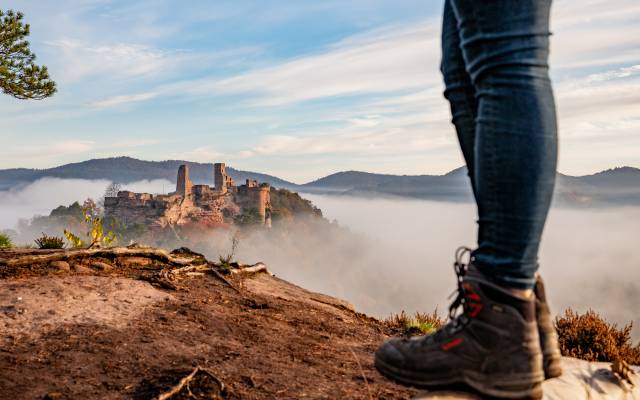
(388,254)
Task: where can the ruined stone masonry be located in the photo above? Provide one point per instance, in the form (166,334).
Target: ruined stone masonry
(199,204)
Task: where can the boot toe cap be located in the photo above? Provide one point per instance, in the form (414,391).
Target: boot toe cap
(390,354)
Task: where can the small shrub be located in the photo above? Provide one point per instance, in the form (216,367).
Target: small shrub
(227,260)
(589,337)
(5,241)
(95,234)
(49,242)
(418,324)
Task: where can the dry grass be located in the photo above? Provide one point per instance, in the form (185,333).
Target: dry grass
(418,324)
(590,337)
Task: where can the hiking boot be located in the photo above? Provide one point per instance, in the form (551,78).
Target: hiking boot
(548,335)
(492,346)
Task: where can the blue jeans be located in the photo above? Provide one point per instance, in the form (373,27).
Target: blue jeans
(494,62)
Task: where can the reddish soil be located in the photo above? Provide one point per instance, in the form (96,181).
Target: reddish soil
(106,335)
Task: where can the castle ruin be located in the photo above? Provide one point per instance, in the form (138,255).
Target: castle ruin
(199,204)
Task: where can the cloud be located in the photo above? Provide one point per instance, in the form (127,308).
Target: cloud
(375,64)
(80,60)
(615,74)
(53,149)
(123,99)
(199,154)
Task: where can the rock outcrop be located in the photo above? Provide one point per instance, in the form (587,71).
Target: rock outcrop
(143,323)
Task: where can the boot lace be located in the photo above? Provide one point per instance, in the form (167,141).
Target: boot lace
(457,321)
(460,268)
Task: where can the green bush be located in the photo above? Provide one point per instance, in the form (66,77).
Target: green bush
(49,242)
(248,217)
(5,241)
(285,203)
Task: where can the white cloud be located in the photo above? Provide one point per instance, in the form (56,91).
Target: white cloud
(80,60)
(615,74)
(123,99)
(50,150)
(199,154)
(377,64)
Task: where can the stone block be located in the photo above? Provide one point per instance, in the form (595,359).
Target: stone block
(102,266)
(81,269)
(60,266)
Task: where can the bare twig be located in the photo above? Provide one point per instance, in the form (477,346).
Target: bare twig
(361,372)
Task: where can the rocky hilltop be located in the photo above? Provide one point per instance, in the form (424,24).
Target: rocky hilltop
(144,323)
(189,203)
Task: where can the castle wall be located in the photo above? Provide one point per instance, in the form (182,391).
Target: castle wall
(253,196)
(137,208)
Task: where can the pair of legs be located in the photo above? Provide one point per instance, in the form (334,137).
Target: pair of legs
(494,63)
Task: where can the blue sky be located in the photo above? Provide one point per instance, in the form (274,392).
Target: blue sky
(298,89)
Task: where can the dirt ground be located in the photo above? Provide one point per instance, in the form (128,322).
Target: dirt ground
(104,335)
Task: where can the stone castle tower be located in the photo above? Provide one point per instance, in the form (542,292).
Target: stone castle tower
(184,187)
(221,180)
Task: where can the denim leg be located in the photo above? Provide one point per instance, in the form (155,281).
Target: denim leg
(505,46)
(458,89)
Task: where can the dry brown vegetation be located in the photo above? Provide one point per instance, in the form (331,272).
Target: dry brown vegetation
(590,337)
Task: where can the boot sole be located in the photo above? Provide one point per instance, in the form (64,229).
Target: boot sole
(512,386)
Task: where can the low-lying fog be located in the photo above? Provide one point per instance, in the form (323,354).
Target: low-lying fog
(589,258)
(399,253)
(43,195)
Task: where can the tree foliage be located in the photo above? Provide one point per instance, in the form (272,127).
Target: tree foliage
(20,77)
(112,190)
(285,204)
(5,241)
(95,235)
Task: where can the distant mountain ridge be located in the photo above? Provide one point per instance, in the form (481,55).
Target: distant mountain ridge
(616,186)
(127,170)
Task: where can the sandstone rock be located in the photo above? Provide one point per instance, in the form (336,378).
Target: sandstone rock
(580,380)
(134,261)
(60,265)
(81,269)
(102,266)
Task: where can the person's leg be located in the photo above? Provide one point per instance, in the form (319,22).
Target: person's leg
(505,45)
(461,94)
(459,90)
(493,345)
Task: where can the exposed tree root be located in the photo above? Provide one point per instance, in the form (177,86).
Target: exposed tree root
(252,269)
(28,258)
(220,391)
(167,267)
